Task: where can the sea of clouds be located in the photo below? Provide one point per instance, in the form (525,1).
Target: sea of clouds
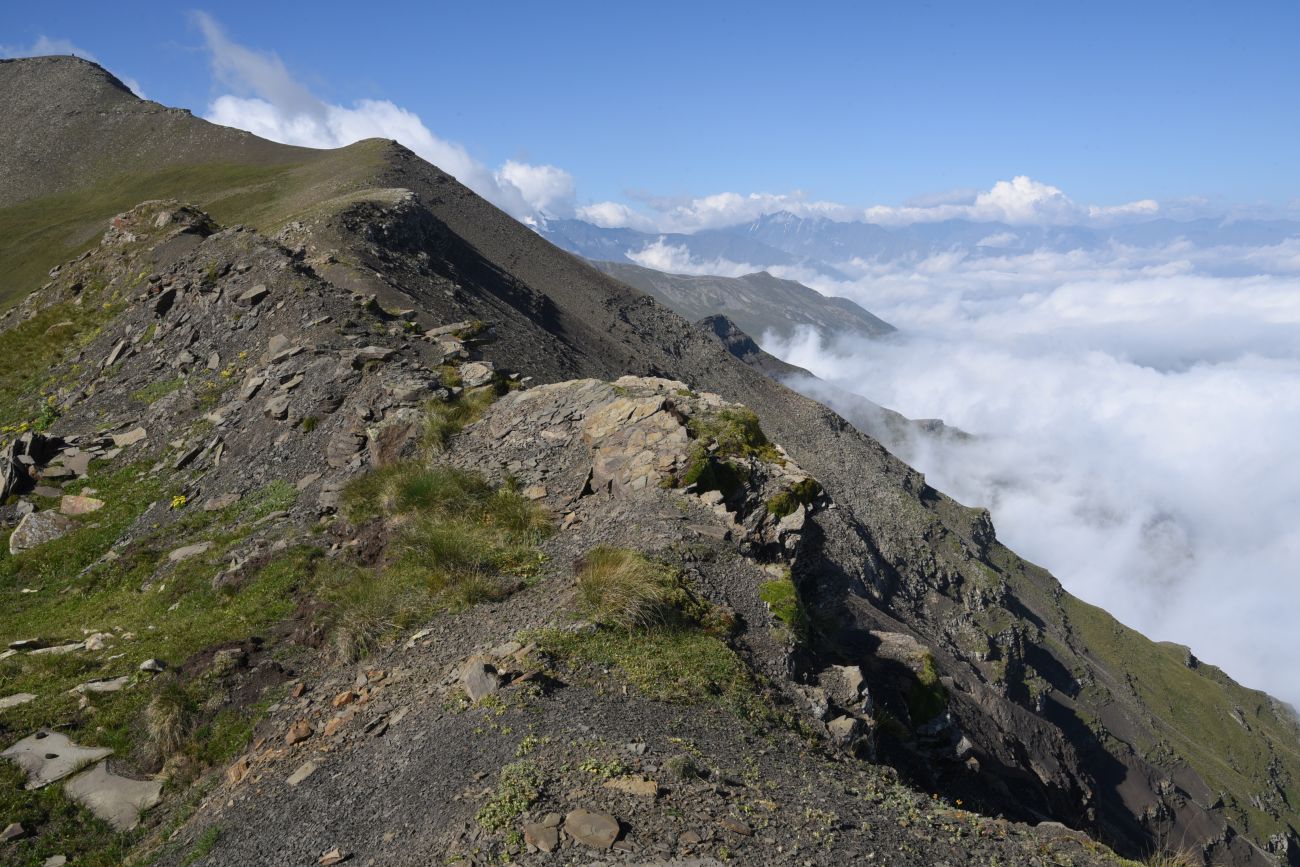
(1137,418)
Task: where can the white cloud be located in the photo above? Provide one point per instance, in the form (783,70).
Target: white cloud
(271,103)
(1020,201)
(1135,413)
(44,46)
(544,188)
(675,259)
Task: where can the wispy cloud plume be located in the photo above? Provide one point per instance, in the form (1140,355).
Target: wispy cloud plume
(268,101)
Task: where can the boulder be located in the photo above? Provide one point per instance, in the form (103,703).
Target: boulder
(477,373)
(38,528)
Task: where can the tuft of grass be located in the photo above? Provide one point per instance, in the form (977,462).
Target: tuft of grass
(783,598)
(927,697)
(169,719)
(202,847)
(518,788)
(801,493)
(682,665)
(621,587)
(445,419)
(155,391)
(723,442)
(454,540)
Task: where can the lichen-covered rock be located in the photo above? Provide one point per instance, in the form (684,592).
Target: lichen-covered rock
(38,528)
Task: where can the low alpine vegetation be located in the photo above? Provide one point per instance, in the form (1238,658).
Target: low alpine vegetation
(451,539)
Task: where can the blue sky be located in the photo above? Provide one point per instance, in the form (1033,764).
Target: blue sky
(858,103)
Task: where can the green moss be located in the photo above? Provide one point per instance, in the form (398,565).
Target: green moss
(518,788)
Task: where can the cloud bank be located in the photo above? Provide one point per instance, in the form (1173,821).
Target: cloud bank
(1019,201)
(268,101)
(1136,414)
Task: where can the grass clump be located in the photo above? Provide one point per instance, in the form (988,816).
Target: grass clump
(667,641)
(723,442)
(782,597)
(518,788)
(927,697)
(155,391)
(801,493)
(453,540)
(620,587)
(447,418)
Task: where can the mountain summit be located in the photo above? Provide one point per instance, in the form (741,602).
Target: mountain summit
(350,519)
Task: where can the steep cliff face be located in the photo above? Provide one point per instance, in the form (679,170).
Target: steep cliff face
(382,280)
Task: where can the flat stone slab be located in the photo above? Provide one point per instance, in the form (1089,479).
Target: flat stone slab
(59,649)
(109,685)
(75,505)
(117,800)
(189,551)
(15,700)
(49,756)
(130,438)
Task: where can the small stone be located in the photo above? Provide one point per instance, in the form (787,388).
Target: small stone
(189,551)
(479,679)
(153,666)
(15,700)
(372,354)
(254,295)
(333,856)
(115,799)
(222,501)
(735,826)
(534,492)
(334,725)
(74,505)
(299,732)
(277,407)
(843,729)
(55,861)
(12,831)
(59,649)
(115,684)
(305,770)
(344,699)
(237,771)
(251,387)
(634,786)
(597,830)
(545,838)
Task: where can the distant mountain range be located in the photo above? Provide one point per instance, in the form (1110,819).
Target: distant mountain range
(824,246)
(759,303)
